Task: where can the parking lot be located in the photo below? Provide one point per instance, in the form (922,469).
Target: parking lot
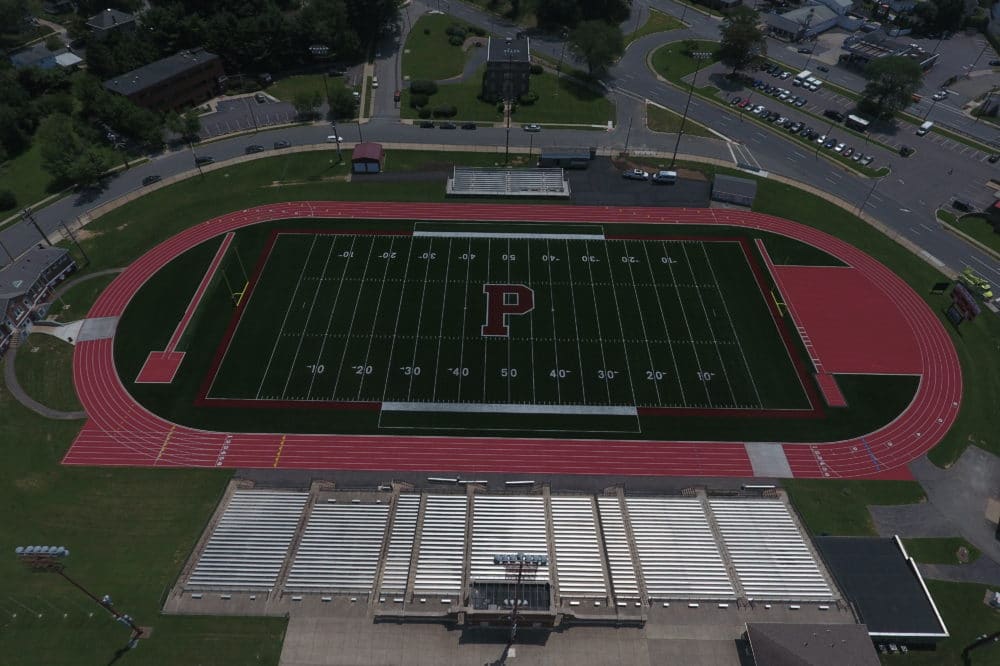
(239,114)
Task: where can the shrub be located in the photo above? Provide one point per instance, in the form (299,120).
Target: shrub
(500,106)
(427,31)
(445,111)
(418,100)
(477,31)
(423,87)
(455,40)
(529,97)
(456,30)
(7,200)
(536,69)
(425,112)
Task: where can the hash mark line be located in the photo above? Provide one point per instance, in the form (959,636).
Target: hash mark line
(326,331)
(552,308)
(288,310)
(486,348)
(732,327)
(465,316)
(531,331)
(444,303)
(687,324)
(642,325)
(711,329)
(354,315)
(420,316)
(576,322)
(399,310)
(614,293)
(312,306)
(597,318)
(378,306)
(666,329)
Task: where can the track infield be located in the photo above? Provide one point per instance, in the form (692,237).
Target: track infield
(563,325)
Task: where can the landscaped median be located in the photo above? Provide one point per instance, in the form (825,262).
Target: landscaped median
(975,227)
(661,119)
(673,63)
(657,22)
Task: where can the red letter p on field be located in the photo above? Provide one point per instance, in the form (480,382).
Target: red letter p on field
(502,301)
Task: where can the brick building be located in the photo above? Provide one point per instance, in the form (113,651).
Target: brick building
(508,69)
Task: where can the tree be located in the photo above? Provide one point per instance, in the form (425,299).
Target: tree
(342,102)
(609,11)
(306,103)
(555,14)
(67,155)
(12,13)
(597,43)
(940,16)
(743,41)
(891,84)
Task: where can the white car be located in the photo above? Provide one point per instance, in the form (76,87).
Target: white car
(785,75)
(635,174)
(757,110)
(839,147)
(374,82)
(333,138)
(821,138)
(939,95)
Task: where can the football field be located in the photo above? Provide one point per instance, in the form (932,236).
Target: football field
(460,320)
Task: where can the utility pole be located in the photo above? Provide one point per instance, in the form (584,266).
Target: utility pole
(28,216)
(73,238)
(628,133)
(252,116)
(698,55)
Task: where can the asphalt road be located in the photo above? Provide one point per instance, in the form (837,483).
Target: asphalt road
(904,201)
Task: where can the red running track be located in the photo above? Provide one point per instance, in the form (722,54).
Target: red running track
(119,431)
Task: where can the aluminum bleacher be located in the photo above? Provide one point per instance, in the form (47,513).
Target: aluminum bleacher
(396,570)
(442,545)
(677,550)
(578,553)
(250,542)
(768,550)
(488,181)
(622,568)
(340,548)
(507,524)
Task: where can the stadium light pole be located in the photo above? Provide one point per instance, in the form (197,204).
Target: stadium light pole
(508,89)
(520,559)
(698,56)
(51,559)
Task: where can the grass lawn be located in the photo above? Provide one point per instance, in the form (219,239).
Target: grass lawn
(939,551)
(672,64)
(44,370)
(660,119)
(967,618)
(76,301)
(976,226)
(947,217)
(561,101)
(428,55)
(129,532)
(286,89)
(25,177)
(657,22)
(841,507)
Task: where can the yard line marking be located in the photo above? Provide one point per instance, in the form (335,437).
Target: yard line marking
(444,303)
(687,324)
(378,306)
(600,334)
(354,315)
(552,308)
(326,332)
(399,310)
(291,302)
(531,331)
(614,293)
(465,315)
(666,330)
(576,323)
(420,316)
(732,326)
(486,346)
(312,306)
(711,329)
(642,325)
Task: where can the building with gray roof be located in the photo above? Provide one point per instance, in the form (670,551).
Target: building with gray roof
(26,283)
(110,20)
(180,81)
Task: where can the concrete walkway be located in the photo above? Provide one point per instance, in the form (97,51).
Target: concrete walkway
(10,373)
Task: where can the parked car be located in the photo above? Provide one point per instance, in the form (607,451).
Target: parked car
(823,68)
(255,148)
(994,63)
(834,115)
(848,151)
(830,143)
(204,159)
(781,120)
(794,129)
(905,151)
(757,110)
(805,49)
(783,96)
(784,75)
(468,126)
(821,139)
(994,158)
(665,177)
(447,126)
(839,148)
(261,98)
(858,156)
(799,102)
(282,144)
(635,174)
(866,160)
(961,206)
(736,100)
(773,117)
(426,123)
(149,180)
(532,128)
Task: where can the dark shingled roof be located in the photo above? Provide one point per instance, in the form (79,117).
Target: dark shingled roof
(157,72)
(109,18)
(776,644)
(17,278)
(497,50)
(884,586)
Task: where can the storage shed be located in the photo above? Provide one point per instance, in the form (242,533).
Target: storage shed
(367,158)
